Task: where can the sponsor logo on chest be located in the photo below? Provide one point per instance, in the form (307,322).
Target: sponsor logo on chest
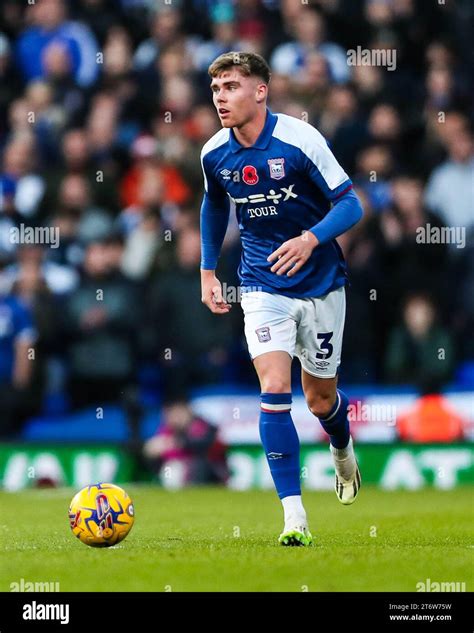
(286,193)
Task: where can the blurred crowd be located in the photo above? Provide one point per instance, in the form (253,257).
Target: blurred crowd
(104,108)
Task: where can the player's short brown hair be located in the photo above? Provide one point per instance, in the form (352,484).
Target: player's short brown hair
(249,64)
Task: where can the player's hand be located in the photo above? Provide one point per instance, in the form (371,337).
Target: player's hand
(211,293)
(293,254)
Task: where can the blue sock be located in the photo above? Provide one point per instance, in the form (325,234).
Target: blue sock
(281,443)
(336,423)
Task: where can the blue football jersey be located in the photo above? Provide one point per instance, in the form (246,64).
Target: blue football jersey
(281,186)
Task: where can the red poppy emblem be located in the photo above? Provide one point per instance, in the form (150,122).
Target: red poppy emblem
(249,175)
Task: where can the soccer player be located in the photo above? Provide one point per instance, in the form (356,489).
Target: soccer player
(292,200)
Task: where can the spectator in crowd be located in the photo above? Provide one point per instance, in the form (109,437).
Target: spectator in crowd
(49,118)
(384,126)
(20,162)
(142,245)
(192,345)
(165,30)
(419,349)
(366,277)
(149,173)
(10,85)
(59,279)
(50,27)
(9,217)
(407,256)
(69,251)
(181,143)
(99,324)
(343,125)
(431,419)
(76,160)
(17,340)
(186,448)
(32,290)
(462,301)
(308,30)
(224,37)
(450,189)
(370,87)
(99,15)
(101,126)
(375,166)
(75,195)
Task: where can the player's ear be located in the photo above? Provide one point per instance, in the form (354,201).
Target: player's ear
(261,93)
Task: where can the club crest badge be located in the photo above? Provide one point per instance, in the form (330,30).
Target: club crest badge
(263,334)
(277,168)
(249,175)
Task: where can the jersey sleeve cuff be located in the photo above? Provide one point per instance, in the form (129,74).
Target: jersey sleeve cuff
(339,191)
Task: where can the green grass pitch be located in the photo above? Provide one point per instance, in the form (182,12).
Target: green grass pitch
(220,540)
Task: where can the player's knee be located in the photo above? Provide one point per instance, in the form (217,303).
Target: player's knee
(320,404)
(275,384)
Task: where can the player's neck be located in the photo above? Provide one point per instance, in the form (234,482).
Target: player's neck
(248,134)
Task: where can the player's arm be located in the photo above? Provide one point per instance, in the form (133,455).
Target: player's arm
(346,211)
(323,169)
(214,220)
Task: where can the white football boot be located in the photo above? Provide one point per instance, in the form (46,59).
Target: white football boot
(348,480)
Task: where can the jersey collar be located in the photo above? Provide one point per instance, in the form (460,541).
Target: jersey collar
(263,140)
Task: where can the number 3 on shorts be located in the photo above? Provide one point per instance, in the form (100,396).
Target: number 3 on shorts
(325,337)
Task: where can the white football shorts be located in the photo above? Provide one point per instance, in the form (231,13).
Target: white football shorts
(311,328)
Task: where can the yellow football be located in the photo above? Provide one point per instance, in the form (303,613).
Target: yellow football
(101,515)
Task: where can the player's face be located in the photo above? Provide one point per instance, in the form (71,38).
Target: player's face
(236,97)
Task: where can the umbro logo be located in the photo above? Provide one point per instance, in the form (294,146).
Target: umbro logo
(274,455)
(322,364)
(225,173)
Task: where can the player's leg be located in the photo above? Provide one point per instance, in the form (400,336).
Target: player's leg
(270,330)
(330,405)
(281,443)
(319,349)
